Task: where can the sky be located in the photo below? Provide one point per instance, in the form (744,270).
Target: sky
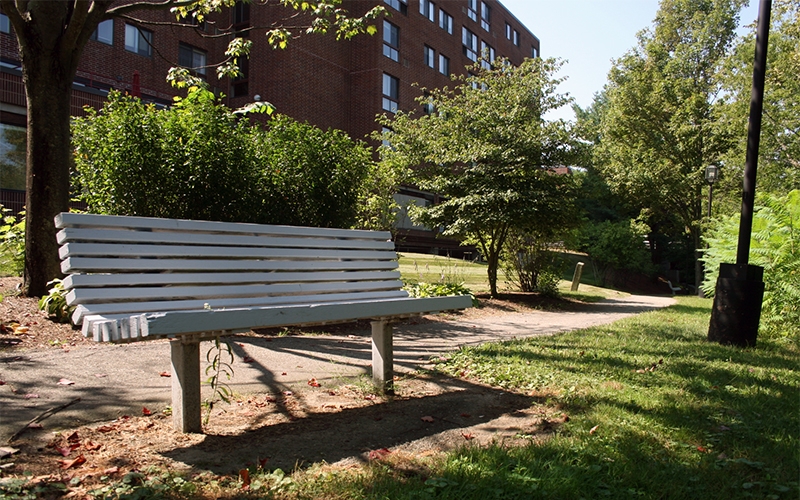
(588,34)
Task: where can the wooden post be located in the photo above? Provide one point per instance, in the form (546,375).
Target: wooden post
(186,385)
(576,278)
(382,355)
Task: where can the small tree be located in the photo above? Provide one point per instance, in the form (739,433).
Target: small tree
(489,152)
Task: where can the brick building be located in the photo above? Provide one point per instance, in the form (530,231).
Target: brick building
(331,84)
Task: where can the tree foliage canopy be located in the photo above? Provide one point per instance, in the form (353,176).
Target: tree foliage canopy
(487,150)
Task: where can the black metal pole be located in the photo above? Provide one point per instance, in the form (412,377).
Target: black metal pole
(754,132)
(740,287)
(710,197)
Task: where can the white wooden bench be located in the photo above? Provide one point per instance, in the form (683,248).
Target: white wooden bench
(137,278)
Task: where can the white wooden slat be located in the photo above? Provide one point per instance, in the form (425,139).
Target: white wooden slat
(65,219)
(182,322)
(133,294)
(127,250)
(113,280)
(104,265)
(70,234)
(82,311)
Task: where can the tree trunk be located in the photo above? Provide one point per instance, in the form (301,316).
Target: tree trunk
(48,88)
(493,260)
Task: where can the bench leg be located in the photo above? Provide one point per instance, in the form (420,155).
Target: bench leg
(382,355)
(186,385)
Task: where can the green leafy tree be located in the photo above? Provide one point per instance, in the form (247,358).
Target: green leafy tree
(489,152)
(51,38)
(779,147)
(615,245)
(660,127)
(775,245)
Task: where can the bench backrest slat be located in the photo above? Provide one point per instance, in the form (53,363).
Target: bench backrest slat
(128,250)
(105,265)
(151,279)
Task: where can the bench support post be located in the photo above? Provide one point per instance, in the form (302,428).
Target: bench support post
(186,385)
(382,355)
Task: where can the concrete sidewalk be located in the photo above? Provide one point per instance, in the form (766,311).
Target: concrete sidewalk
(115,380)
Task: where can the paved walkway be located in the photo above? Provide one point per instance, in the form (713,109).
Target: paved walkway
(115,380)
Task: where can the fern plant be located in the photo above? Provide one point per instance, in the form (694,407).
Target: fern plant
(775,245)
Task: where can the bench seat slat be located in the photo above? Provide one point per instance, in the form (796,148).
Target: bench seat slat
(65,219)
(132,294)
(181,322)
(128,308)
(170,238)
(107,265)
(130,250)
(164,324)
(114,280)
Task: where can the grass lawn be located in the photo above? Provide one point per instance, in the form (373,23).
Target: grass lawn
(649,409)
(654,411)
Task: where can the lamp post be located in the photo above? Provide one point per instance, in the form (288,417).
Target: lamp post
(712,176)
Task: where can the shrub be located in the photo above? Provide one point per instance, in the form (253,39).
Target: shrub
(530,265)
(615,245)
(200,160)
(775,245)
(12,242)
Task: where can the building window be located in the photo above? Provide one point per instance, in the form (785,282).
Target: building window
(241,13)
(508,31)
(486,16)
(391,41)
(470,42)
(488,55)
(138,40)
(5,24)
(104,32)
(534,51)
(430,57)
(385,131)
(391,93)
(240,84)
(192,58)
(428,9)
(472,9)
(516,38)
(446,21)
(428,108)
(444,65)
(399,5)
(13,140)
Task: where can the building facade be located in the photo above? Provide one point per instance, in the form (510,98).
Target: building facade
(328,83)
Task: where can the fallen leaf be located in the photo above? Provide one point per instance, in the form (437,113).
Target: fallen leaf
(74,437)
(248,359)
(165,374)
(287,393)
(468,435)
(111,470)
(146,412)
(284,373)
(379,454)
(30,396)
(146,425)
(20,330)
(35,426)
(244,474)
(65,381)
(270,399)
(92,446)
(101,375)
(2,382)
(105,428)
(262,462)
(702,449)
(65,451)
(67,464)
(427,419)
(7,452)
(593,429)
(466,415)
(313,382)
